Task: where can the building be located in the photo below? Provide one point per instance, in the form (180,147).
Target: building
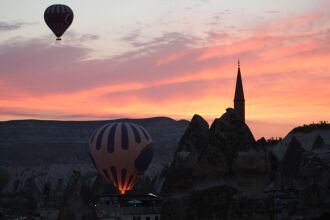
(239,101)
(129,207)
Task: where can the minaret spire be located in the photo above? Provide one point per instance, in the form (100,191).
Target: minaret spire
(239,101)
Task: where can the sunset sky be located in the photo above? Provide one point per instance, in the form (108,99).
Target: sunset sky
(170,58)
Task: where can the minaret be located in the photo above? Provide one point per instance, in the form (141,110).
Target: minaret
(239,101)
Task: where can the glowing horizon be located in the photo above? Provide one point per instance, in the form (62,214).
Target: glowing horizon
(176,61)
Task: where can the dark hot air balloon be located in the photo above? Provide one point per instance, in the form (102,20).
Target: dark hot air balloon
(58,18)
(121,152)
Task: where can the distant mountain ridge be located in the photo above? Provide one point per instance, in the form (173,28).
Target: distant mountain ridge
(323,125)
(313,137)
(48,151)
(47,141)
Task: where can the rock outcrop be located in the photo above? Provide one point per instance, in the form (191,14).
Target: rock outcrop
(319,144)
(205,154)
(195,139)
(229,175)
(290,164)
(228,135)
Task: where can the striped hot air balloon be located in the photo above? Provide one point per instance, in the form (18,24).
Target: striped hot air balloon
(58,18)
(121,152)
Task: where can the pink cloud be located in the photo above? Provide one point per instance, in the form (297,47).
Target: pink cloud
(285,74)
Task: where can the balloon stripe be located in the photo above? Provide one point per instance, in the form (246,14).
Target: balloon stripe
(93,161)
(53,27)
(92,139)
(56,30)
(105,172)
(124,136)
(111,139)
(59,26)
(144,159)
(136,179)
(129,183)
(99,138)
(145,133)
(114,174)
(130,186)
(136,134)
(123,178)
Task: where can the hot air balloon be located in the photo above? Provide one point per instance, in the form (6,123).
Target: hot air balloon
(58,18)
(121,152)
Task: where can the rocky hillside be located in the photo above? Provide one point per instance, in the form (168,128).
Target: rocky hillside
(221,172)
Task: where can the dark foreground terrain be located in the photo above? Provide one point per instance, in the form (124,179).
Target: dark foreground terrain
(201,171)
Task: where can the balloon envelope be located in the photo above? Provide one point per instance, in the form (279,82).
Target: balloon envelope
(58,18)
(121,152)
